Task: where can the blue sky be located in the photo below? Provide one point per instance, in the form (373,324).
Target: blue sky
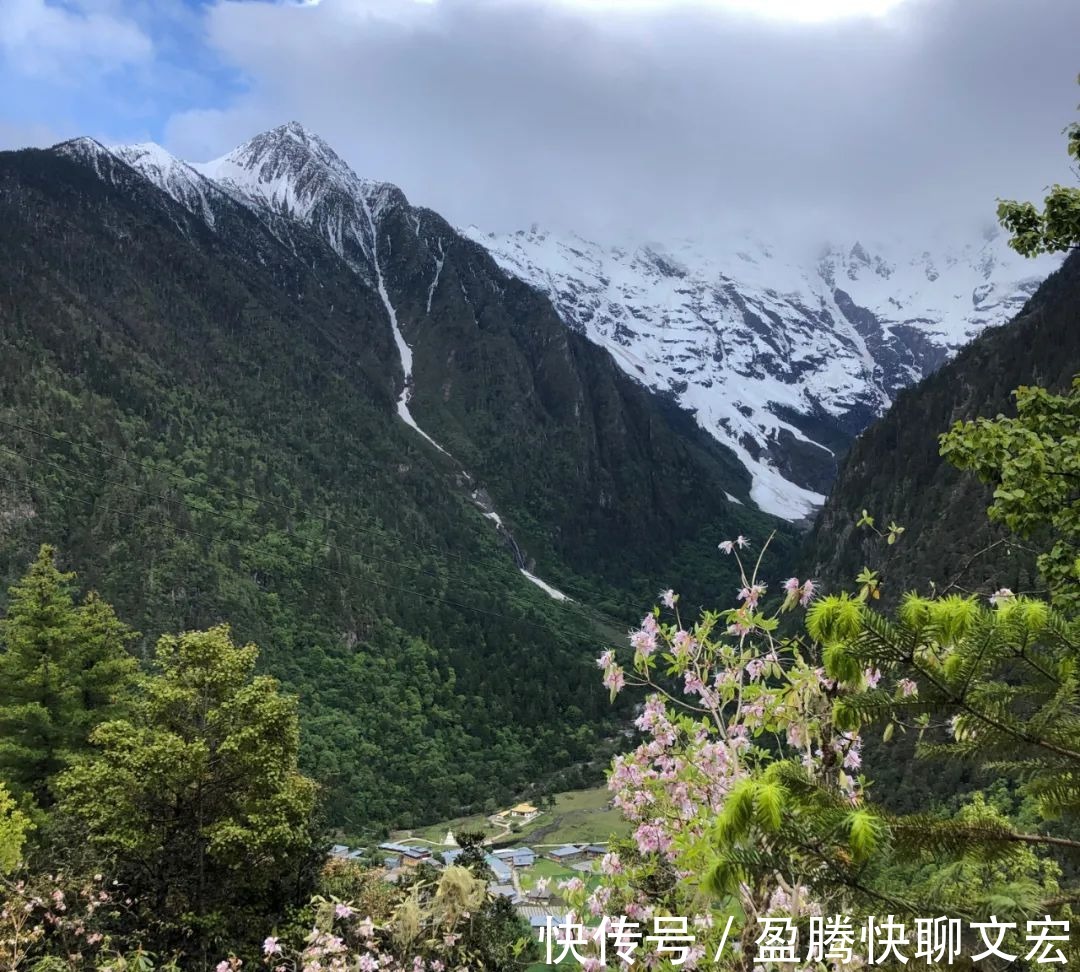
(658,116)
(115,70)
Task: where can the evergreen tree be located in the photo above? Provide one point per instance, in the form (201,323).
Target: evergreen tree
(196,796)
(14,827)
(473,856)
(63,670)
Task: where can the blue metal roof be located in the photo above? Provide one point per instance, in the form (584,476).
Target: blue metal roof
(500,869)
(540,921)
(391,846)
(566,851)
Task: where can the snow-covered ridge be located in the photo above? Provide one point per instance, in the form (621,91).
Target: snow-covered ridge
(290,176)
(783,357)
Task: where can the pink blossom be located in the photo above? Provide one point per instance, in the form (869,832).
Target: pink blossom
(791,585)
(683,643)
(614,679)
(755,668)
(368,963)
(668,598)
(872,676)
(606,660)
(808,589)
(907,687)
(741,541)
(693,684)
(727,546)
(342,911)
(611,864)
(598,900)
(651,837)
(643,642)
(751,595)
(1001,596)
(780,901)
(271,946)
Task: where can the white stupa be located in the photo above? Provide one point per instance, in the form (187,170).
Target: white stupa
(449,840)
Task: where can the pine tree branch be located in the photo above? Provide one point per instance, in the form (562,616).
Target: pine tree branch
(1061,900)
(952,698)
(1042,839)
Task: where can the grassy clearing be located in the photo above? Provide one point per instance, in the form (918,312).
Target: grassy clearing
(578,817)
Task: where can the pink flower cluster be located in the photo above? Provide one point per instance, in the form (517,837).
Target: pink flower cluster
(737,684)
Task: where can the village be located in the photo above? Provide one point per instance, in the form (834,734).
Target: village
(523,870)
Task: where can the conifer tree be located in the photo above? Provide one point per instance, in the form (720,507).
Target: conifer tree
(63,669)
(196,796)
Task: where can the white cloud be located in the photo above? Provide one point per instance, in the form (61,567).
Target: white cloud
(664,121)
(14,135)
(808,11)
(44,40)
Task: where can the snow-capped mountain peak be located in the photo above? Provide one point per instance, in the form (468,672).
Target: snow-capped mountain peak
(290,170)
(782,356)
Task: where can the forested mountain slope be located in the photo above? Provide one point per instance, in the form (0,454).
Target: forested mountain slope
(895,472)
(201,405)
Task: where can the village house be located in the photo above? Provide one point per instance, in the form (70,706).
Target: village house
(566,854)
(415,856)
(404,854)
(517,856)
(541,894)
(501,870)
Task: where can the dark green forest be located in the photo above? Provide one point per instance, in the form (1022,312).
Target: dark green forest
(203,425)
